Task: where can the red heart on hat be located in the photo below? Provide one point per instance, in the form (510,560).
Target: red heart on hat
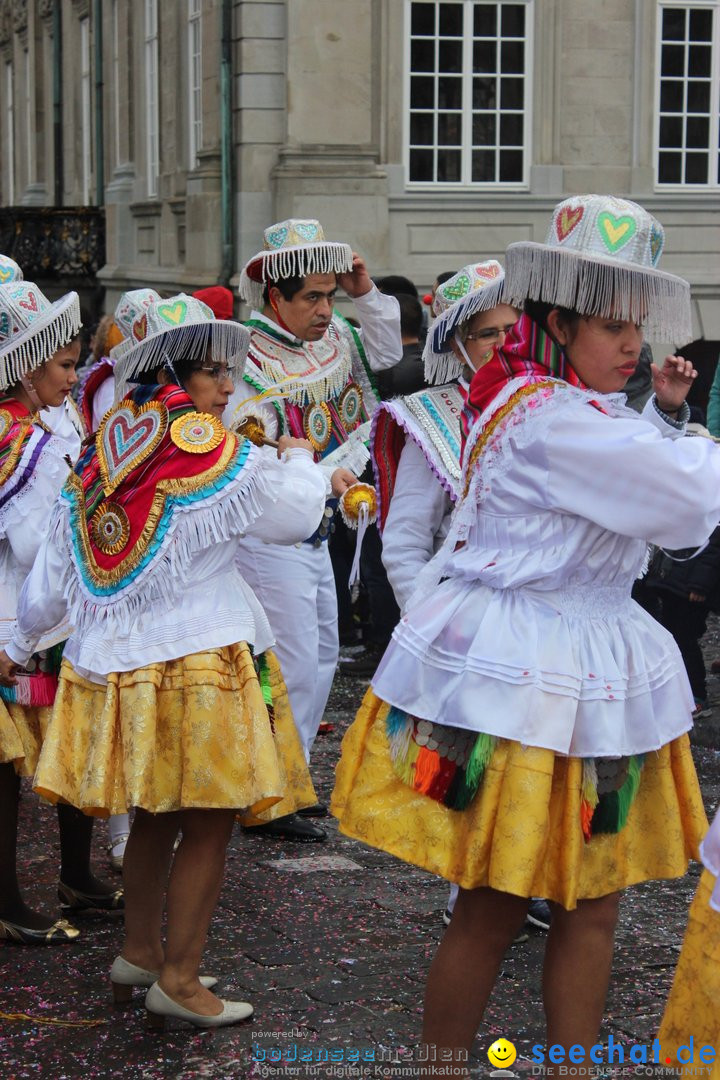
(30,303)
(140,327)
(488,272)
(567,219)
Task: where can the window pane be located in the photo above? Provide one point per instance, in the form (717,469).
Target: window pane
(422,129)
(698,131)
(485,21)
(484,93)
(421,165)
(512,92)
(699,60)
(513,20)
(698,99)
(671,131)
(669,168)
(450,93)
(673,25)
(673,60)
(511,165)
(423,19)
(483,166)
(671,96)
(484,129)
(696,168)
(512,56)
(448,169)
(484,56)
(449,129)
(511,129)
(701,25)
(450,58)
(451,19)
(422,93)
(422,56)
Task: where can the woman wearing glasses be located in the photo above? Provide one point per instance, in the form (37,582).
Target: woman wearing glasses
(166,693)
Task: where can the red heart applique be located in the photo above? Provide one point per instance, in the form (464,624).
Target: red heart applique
(31,302)
(140,328)
(567,219)
(488,272)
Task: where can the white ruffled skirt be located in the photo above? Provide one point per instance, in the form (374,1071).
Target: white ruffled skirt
(583,671)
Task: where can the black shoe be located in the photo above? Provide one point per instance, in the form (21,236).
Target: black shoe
(539,913)
(76,900)
(363,665)
(318,810)
(290,827)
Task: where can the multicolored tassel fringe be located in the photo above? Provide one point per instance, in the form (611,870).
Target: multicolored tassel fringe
(263,673)
(445,763)
(606,804)
(37,688)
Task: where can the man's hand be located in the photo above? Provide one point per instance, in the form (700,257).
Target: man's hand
(672,382)
(341,480)
(357,282)
(8,669)
(286,442)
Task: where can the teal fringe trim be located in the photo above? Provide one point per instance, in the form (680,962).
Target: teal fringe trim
(611,812)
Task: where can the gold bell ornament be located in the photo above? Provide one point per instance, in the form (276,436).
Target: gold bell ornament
(358,508)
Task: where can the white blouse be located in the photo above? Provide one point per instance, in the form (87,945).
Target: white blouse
(522,626)
(212,607)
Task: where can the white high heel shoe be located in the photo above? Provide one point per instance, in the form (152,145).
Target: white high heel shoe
(124,975)
(159,1006)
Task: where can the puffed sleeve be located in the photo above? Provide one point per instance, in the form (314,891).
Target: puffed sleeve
(292,497)
(418,507)
(41,605)
(624,475)
(379,318)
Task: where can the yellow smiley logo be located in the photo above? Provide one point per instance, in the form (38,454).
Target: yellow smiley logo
(502,1054)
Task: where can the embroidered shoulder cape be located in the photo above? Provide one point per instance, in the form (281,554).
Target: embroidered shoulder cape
(158,483)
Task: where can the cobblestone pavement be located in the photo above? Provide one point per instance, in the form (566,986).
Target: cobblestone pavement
(333,951)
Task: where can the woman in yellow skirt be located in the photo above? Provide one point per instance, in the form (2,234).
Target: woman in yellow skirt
(693,1008)
(39,433)
(525,733)
(168,698)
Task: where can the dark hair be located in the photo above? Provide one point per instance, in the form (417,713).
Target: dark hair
(394,284)
(183,369)
(411,315)
(288,287)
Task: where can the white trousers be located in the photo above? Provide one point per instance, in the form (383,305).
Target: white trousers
(296,587)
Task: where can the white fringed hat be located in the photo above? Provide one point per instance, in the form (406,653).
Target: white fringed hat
(477,287)
(9,270)
(130,309)
(293,248)
(600,258)
(32,329)
(170,331)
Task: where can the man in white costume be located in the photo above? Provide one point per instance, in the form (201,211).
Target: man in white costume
(309,373)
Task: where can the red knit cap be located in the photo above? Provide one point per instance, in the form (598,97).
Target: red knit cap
(218,299)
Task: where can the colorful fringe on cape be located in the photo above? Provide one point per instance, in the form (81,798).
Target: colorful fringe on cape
(37,688)
(448,764)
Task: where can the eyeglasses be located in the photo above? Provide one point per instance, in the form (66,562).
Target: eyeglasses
(218,372)
(489,333)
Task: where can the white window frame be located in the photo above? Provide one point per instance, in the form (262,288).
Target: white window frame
(85,110)
(466,183)
(152,98)
(115,62)
(714,80)
(29,121)
(9,134)
(194,83)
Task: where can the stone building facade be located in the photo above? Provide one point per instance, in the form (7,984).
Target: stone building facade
(426,132)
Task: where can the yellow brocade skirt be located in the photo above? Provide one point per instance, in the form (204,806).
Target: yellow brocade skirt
(693,1008)
(192,733)
(522,832)
(22,730)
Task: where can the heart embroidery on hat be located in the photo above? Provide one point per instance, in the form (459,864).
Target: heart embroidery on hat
(458,289)
(615,232)
(30,302)
(140,328)
(568,218)
(6,274)
(173,313)
(277,237)
(657,242)
(126,438)
(307,230)
(487,272)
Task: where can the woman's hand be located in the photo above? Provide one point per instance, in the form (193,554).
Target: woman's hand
(8,670)
(286,442)
(672,382)
(341,480)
